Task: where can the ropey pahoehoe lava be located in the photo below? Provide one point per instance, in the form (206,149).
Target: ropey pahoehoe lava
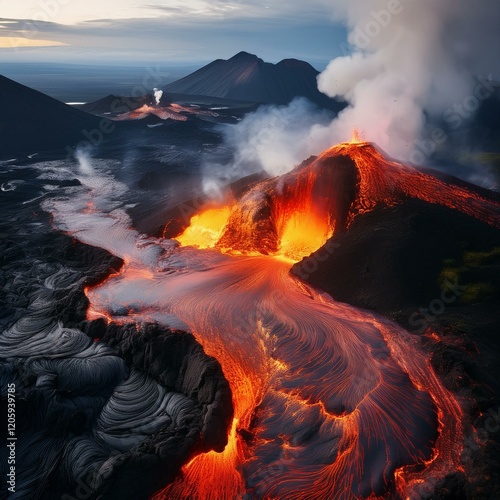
(329,401)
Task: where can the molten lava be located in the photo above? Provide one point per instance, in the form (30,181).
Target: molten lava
(299,229)
(205,228)
(302,234)
(356,137)
(221,478)
(339,403)
(172,111)
(163,113)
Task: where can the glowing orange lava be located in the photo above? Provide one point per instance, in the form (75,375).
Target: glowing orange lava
(301,229)
(383,181)
(205,228)
(302,234)
(356,137)
(308,363)
(221,479)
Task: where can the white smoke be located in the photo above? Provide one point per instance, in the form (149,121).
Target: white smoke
(158,95)
(276,138)
(411,61)
(84,159)
(407,63)
(96,211)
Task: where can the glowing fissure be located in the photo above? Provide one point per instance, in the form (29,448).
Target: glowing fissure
(341,403)
(302,234)
(301,229)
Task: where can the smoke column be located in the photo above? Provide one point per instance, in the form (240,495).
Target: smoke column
(157,94)
(410,60)
(407,64)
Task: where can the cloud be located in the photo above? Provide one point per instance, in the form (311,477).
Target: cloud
(19,42)
(202,8)
(61,11)
(239,9)
(194,40)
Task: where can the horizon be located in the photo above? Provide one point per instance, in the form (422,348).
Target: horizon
(382,62)
(80,82)
(178,64)
(318,64)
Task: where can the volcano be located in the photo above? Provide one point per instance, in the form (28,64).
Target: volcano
(112,104)
(247,78)
(295,214)
(31,121)
(329,401)
(136,108)
(225,359)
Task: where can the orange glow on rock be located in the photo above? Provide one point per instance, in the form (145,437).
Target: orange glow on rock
(210,475)
(301,229)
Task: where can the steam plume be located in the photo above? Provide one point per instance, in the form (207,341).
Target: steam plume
(410,60)
(157,94)
(408,63)
(276,138)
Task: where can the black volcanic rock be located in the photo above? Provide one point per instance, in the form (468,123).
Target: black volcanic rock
(176,361)
(392,257)
(112,104)
(102,419)
(245,77)
(31,121)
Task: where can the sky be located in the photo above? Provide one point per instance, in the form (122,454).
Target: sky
(174,31)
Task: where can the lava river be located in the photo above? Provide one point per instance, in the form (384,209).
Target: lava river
(330,401)
(336,398)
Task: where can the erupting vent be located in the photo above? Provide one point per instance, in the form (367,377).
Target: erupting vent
(293,215)
(302,234)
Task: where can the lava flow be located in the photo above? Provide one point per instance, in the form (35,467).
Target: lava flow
(205,228)
(295,214)
(330,402)
(339,402)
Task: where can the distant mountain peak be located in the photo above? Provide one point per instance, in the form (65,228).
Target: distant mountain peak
(247,78)
(296,63)
(245,56)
